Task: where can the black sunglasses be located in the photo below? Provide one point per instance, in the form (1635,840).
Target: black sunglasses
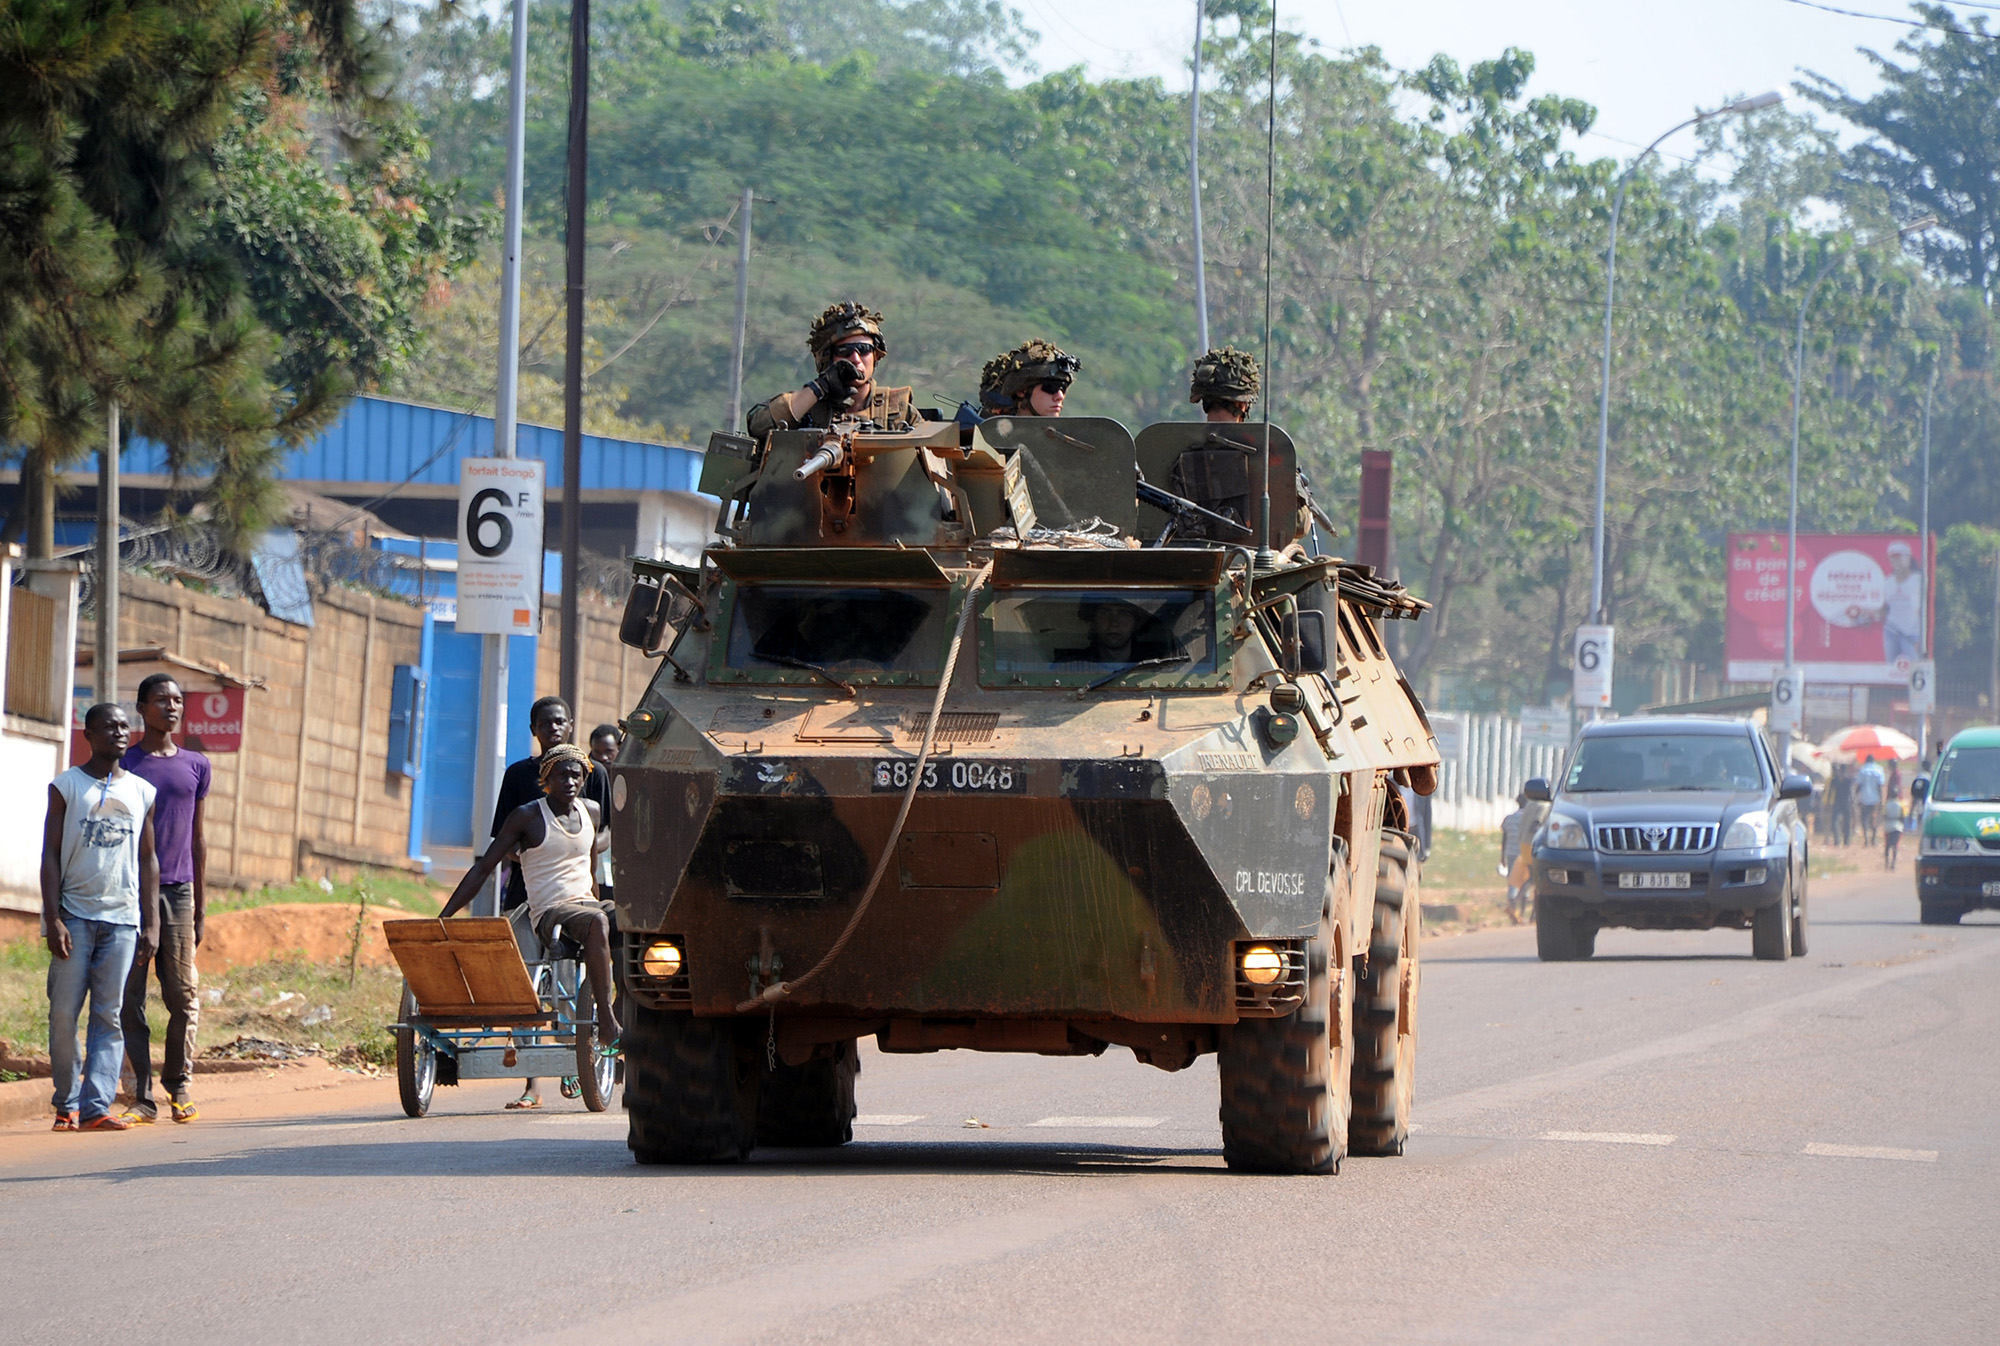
(1054,386)
(853,350)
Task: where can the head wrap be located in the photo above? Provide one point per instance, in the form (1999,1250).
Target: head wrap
(556,756)
(1224,374)
(844,319)
(1006,379)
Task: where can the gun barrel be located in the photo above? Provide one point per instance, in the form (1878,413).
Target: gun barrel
(819,462)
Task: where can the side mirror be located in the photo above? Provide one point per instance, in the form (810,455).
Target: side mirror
(1537,789)
(655,611)
(1796,785)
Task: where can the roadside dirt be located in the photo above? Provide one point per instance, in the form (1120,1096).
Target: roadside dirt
(316,932)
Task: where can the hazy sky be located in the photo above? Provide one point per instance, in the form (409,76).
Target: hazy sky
(1644,66)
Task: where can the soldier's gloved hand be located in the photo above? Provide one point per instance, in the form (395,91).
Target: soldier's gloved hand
(836,384)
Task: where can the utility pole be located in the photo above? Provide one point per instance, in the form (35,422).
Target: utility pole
(576,208)
(107,562)
(490,762)
(1993,670)
(735,421)
(1924,562)
(1194,185)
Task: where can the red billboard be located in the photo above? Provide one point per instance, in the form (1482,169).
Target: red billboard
(1862,609)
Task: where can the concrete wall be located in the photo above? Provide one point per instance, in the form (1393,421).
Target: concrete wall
(310,792)
(613,674)
(37,650)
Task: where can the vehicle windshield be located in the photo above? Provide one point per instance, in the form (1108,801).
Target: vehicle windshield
(846,630)
(1094,631)
(1661,762)
(1968,776)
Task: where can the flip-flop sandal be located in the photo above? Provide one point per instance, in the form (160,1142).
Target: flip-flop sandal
(184,1112)
(612,1049)
(525,1103)
(571,1086)
(134,1117)
(65,1121)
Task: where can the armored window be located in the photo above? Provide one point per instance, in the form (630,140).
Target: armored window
(790,629)
(1094,631)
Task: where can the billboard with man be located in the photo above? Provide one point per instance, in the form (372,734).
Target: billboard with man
(1861,615)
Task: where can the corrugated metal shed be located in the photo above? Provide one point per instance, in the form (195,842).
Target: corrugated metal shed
(382,443)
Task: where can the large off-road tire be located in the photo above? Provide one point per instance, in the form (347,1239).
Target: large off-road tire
(1385,1008)
(1939,913)
(1284,1080)
(1801,924)
(1771,929)
(690,1089)
(416,1062)
(812,1105)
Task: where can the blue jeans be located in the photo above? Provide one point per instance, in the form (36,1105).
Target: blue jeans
(100,958)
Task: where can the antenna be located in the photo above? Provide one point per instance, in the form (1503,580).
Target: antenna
(1267,560)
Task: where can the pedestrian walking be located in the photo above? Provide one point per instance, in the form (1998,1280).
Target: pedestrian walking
(100,910)
(1893,815)
(1869,787)
(180,777)
(1843,805)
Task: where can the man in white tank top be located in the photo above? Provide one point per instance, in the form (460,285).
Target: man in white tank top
(555,840)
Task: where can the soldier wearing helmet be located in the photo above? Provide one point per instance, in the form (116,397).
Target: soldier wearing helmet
(846,344)
(1225,382)
(1030,380)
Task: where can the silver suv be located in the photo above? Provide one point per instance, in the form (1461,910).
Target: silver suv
(1670,824)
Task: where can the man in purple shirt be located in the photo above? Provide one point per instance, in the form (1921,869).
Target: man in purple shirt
(180,775)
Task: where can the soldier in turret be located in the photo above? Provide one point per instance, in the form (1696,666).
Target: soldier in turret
(1030,380)
(846,344)
(1225,382)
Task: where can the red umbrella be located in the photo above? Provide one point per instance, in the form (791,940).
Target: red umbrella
(1870,742)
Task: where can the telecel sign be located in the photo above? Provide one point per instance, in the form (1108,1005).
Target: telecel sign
(500,546)
(1591,671)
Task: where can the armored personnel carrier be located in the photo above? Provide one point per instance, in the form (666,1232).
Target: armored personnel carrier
(1016,739)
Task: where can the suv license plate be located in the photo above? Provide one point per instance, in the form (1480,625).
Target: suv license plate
(1991,888)
(953,776)
(1648,880)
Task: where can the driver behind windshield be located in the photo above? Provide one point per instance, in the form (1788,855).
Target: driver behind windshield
(1118,633)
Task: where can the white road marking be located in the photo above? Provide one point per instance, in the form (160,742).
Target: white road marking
(888,1118)
(1871,1152)
(1114,1122)
(1611,1137)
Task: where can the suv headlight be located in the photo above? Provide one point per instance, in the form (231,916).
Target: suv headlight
(1748,832)
(1947,845)
(1565,834)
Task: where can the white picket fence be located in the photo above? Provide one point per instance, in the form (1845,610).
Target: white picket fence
(1485,762)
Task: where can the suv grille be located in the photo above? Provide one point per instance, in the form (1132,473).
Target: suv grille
(1656,839)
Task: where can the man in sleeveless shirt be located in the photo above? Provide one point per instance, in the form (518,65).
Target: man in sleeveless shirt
(555,840)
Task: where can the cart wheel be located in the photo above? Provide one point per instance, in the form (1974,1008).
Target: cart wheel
(596,1076)
(416,1062)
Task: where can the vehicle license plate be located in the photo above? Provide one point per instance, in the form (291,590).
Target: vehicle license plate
(954,776)
(1647,880)
(1991,888)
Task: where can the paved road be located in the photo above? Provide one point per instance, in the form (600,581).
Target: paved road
(1670,1143)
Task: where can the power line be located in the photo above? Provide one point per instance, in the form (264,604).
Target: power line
(1891,18)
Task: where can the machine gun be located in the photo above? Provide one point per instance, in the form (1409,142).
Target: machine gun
(1184,513)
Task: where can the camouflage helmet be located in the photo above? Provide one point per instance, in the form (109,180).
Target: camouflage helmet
(844,319)
(1007,378)
(1224,374)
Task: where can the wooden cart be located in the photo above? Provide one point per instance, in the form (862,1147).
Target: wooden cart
(475,1009)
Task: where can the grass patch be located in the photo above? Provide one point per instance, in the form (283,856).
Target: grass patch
(418,896)
(301,1005)
(1462,860)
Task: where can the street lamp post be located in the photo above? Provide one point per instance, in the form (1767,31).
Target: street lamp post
(1762,100)
(1924,563)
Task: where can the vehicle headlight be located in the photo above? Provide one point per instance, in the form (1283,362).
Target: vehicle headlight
(1565,834)
(1748,832)
(662,959)
(1947,845)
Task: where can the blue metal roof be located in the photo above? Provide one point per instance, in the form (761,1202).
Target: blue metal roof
(380,443)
